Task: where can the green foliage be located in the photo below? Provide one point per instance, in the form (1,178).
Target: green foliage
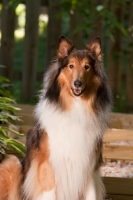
(91,11)
(18,52)
(7,117)
(14,3)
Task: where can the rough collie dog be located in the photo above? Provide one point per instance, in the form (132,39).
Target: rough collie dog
(64,147)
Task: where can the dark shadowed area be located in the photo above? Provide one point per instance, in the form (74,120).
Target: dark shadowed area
(29,41)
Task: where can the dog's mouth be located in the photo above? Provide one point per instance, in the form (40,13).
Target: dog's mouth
(77,91)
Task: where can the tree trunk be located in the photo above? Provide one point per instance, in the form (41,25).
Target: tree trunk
(30,50)
(129,66)
(97,28)
(76,35)
(54,29)
(7,41)
(115,56)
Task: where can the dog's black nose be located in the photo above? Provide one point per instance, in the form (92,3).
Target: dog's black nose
(77,83)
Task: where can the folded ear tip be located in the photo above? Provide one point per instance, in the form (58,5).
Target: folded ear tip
(62,37)
(98,39)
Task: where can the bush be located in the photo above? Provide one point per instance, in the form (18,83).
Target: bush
(7,117)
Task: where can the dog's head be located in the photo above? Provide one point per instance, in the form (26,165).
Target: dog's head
(78,72)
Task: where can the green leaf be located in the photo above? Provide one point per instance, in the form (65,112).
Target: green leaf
(99,8)
(14,3)
(7,111)
(17,143)
(2,133)
(5,121)
(14,132)
(6,115)
(4,79)
(3,143)
(6,100)
(2,151)
(17,150)
(2,66)
(122,29)
(8,107)
(17,146)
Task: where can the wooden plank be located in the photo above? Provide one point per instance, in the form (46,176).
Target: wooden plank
(117,152)
(119,186)
(125,119)
(117,120)
(114,135)
(115,124)
(27,119)
(118,197)
(25,109)
(24,129)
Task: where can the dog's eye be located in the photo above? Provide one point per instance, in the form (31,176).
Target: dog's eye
(87,67)
(71,66)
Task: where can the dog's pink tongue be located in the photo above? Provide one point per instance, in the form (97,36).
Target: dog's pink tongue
(77,91)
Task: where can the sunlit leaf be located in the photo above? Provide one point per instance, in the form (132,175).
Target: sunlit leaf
(122,28)
(2,66)
(17,146)
(14,3)
(14,132)
(2,150)
(99,8)
(2,78)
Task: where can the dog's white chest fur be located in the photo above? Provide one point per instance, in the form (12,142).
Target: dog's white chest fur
(72,139)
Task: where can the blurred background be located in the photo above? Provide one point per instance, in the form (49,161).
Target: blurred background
(29,32)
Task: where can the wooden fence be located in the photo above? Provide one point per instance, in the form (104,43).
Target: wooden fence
(118,188)
(116,145)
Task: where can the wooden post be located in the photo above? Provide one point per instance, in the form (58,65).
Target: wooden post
(76,37)
(97,25)
(54,28)
(114,55)
(129,64)
(30,50)
(7,40)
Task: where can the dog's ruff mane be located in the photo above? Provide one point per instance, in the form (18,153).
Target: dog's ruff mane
(72,138)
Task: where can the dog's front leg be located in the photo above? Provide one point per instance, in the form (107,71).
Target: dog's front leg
(39,183)
(90,193)
(46,182)
(95,188)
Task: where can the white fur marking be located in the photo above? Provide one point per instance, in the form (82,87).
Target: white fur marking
(29,187)
(95,189)
(47,195)
(72,139)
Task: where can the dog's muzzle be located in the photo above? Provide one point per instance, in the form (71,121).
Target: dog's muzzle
(77,89)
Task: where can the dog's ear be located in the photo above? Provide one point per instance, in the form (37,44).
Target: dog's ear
(65,47)
(95,47)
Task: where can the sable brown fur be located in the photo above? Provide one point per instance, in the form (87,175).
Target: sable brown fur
(10,178)
(37,141)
